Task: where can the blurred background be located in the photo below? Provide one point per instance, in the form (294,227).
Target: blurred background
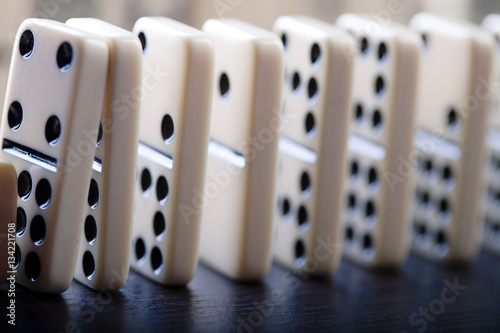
(194,12)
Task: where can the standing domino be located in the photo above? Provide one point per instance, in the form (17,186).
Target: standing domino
(174,132)
(490,199)
(453,107)
(54,99)
(384,95)
(317,98)
(104,257)
(237,223)
(8,204)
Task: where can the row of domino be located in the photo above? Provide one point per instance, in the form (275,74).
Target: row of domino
(293,164)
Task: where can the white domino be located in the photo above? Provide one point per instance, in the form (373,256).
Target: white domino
(490,198)
(312,160)
(8,203)
(239,191)
(453,108)
(54,99)
(104,258)
(383,112)
(174,132)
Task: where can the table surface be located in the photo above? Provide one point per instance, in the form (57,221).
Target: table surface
(422,296)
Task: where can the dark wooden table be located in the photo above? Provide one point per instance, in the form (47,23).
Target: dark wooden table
(418,297)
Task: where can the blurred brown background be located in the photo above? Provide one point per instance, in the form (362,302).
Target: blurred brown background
(194,12)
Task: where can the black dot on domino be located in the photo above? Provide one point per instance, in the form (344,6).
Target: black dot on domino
(425,40)
(363,46)
(302,216)
(428,166)
(296,82)
(142,38)
(285,207)
(38,230)
(93,198)
(167,129)
(447,174)
(156,260)
(53,130)
(26,44)
(43,193)
(146,180)
(284,40)
(305,182)
(441,238)
(358,112)
(312,88)
(421,229)
(382,52)
(370,209)
(162,190)
(377,120)
(140,249)
(452,119)
(351,202)
(300,250)
(367,242)
(32,266)
(444,206)
(64,56)
(310,124)
(354,169)
(90,229)
(15,116)
(315,54)
(426,198)
(379,86)
(100,135)
(159,224)
(349,234)
(88,265)
(24,185)
(224,85)
(372,176)
(21,221)
(17,257)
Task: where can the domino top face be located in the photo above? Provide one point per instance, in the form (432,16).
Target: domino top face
(57,78)
(453,109)
(104,256)
(383,112)
(306,70)
(228,126)
(440,110)
(174,134)
(374,99)
(238,219)
(8,204)
(316,121)
(491,179)
(160,36)
(34,55)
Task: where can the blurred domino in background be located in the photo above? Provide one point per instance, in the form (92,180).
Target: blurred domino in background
(378,188)
(490,198)
(453,109)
